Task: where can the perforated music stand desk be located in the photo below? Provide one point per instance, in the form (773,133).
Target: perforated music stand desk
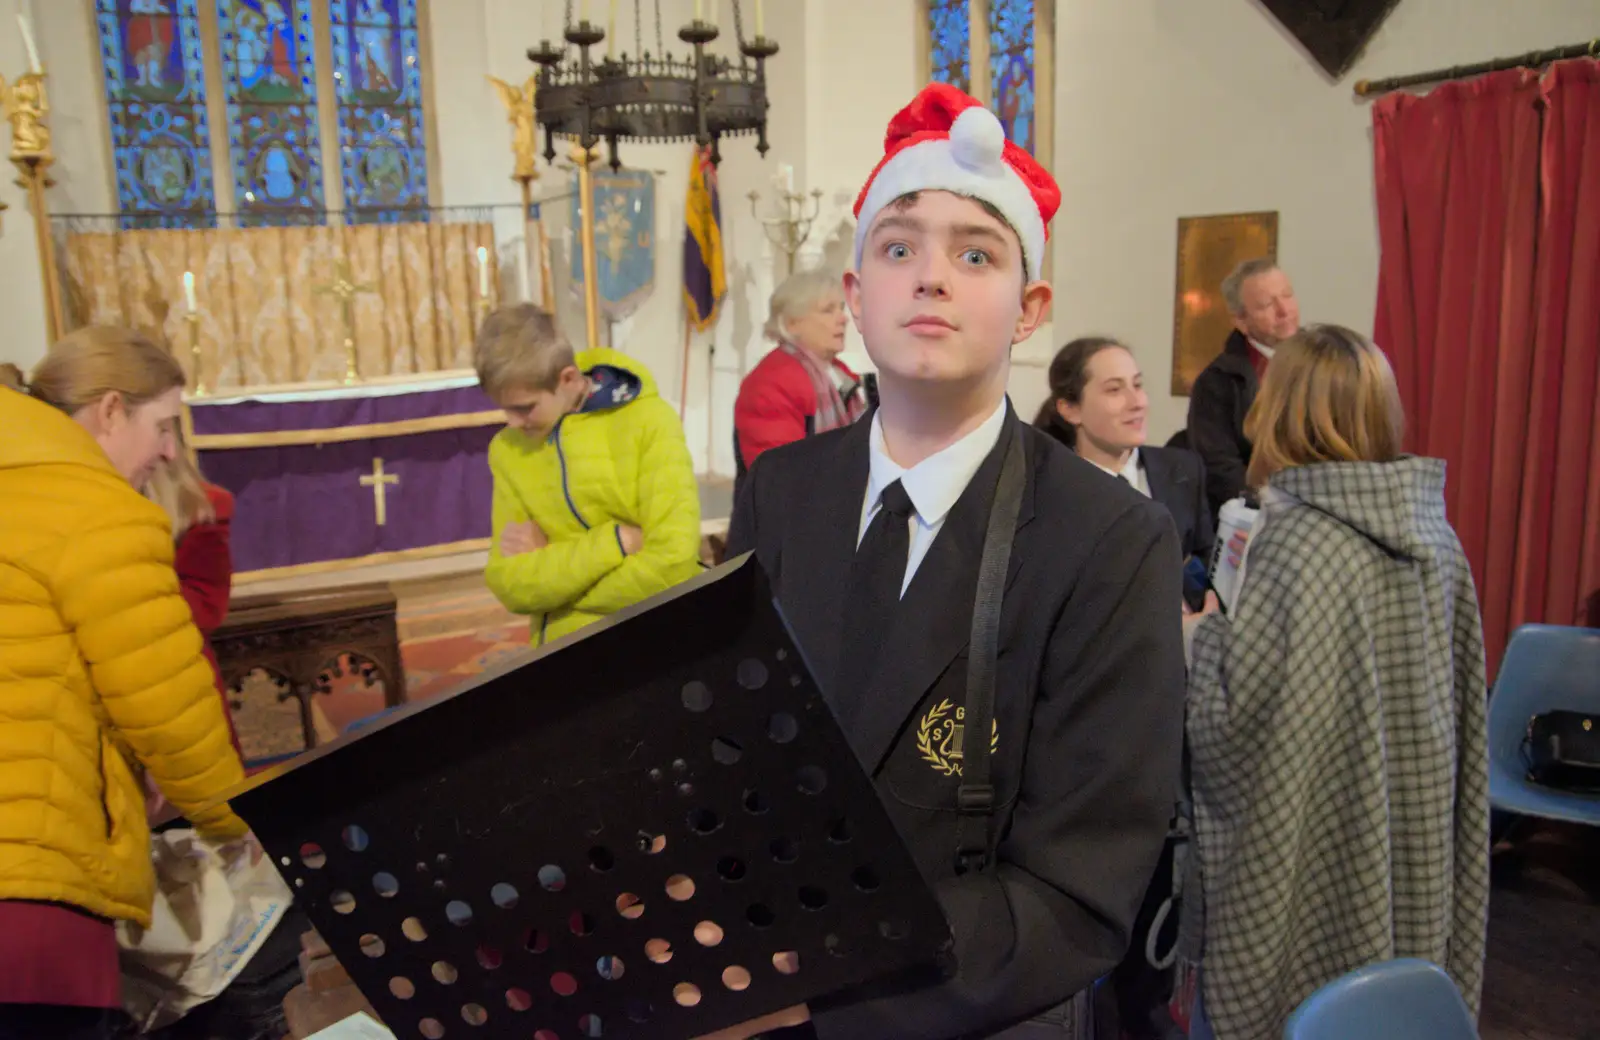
(652,828)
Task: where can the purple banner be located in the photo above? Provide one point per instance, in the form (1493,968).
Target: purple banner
(277,416)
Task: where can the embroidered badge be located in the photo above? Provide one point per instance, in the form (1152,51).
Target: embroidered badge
(940,737)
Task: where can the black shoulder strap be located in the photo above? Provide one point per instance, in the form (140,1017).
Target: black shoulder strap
(975,796)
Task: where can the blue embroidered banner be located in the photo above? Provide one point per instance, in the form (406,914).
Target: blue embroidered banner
(625,240)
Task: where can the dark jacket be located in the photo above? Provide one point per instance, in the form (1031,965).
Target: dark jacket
(1087,730)
(1220,399)
(1177,480)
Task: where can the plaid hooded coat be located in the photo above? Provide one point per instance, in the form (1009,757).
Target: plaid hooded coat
(1338,731)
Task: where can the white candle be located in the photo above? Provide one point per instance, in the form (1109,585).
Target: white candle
(188,290)
(699,10)
(27,38)
(761,22)
(483,273)
(788,178)
(522,272)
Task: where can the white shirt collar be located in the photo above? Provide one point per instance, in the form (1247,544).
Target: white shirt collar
(937,481)
(1263,348)
(1130,469)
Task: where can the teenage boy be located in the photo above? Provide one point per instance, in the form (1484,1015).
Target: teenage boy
(872,537)
(595,501)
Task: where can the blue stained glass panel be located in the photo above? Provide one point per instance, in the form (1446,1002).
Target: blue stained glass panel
(950,43)
(1011,69)
(270,81)
(156,100)
(382,146)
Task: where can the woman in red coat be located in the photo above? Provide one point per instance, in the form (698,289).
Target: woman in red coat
(200,513)
(802,387)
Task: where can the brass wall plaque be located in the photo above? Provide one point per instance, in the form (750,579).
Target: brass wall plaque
(1208,249)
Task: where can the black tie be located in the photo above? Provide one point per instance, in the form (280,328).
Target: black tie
(876,574)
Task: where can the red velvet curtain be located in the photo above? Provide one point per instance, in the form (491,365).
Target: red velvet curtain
(1489,310)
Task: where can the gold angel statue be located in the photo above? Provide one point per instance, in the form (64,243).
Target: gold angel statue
(519,113)
(26,105)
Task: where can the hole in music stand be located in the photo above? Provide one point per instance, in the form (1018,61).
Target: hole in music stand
(312,856)
(726,751)
(355,838)
(504,895)
(687,994)
(782,729)
(760,915)
(630,906)
(736,978)
(697,696)
(731,868)
(751,674)
(552,878)
(402,987)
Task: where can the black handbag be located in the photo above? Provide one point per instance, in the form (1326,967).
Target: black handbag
(1562,750)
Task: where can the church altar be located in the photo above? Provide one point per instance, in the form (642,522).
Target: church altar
(325,476)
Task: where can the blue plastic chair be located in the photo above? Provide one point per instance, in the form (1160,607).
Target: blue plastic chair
(1397,1000)
(1546,667)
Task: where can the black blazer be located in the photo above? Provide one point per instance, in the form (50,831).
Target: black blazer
(1177,480)
(1219,401)
(1088,714)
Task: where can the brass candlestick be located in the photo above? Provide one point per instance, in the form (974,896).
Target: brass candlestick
(344,289)
(789,230)
(585,158)
(193,319)
(26,103)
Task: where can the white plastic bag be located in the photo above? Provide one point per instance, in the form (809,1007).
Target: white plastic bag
(213,910)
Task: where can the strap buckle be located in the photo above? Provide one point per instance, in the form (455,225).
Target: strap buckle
(975,799)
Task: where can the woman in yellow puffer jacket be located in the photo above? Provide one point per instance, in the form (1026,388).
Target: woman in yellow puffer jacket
(101,677)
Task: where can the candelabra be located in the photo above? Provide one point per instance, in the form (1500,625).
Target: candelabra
(789,231)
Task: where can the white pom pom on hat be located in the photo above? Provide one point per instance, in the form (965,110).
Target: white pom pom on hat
(945,141)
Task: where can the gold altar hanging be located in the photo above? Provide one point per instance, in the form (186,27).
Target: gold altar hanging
(262,321)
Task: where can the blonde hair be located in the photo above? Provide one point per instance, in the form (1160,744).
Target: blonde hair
(97,360)
(11,376)
(180,490)
(519,346)
(1328,396)
(797,294)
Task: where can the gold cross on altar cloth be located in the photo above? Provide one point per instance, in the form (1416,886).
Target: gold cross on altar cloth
(379,492)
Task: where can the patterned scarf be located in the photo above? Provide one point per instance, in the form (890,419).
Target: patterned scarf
(833,409)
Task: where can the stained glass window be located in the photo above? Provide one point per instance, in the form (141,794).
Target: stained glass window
(949,35)
(156,97)
(378,68)
(269,78)
(1011,69)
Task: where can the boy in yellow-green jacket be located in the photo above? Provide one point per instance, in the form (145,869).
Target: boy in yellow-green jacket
(595,501)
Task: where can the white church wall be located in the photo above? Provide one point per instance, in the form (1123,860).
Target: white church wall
(1167,110)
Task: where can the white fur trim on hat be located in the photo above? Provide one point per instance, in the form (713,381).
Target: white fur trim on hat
(969,162)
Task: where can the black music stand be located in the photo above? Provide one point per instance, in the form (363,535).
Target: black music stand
(653,827)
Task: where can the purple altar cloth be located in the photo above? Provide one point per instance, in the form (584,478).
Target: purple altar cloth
(299,504)
(276,416)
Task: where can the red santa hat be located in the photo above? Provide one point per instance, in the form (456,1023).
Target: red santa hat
(946,141)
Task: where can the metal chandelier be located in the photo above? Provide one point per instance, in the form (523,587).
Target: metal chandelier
(652,97)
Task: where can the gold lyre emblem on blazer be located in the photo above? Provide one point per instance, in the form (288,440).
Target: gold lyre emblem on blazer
(940,736)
